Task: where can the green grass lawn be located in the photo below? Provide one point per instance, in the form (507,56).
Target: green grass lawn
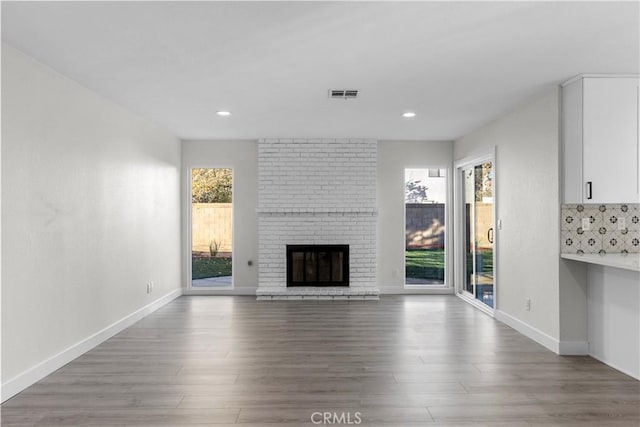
(425,264)
(487,261)
(202,268)
(429,263)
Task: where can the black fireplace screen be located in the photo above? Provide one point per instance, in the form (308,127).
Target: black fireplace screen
(317,265)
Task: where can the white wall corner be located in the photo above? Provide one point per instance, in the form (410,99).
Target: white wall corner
(563,348)
(529,331)
(573,348)
(29,377)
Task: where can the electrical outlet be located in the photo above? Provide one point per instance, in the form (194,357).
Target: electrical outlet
(586,224)
(394,273)
(152,285)
(527,304)
(148,287)
(622,223)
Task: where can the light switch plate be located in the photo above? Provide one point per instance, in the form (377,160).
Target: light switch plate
(586,224)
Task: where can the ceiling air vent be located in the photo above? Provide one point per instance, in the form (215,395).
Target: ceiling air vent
(343,93)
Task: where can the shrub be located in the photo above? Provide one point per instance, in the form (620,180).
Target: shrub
(214,247)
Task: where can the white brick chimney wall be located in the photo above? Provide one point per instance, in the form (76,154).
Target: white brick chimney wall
(317,191)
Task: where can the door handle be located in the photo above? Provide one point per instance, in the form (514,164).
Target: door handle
(490,235)
(589,190)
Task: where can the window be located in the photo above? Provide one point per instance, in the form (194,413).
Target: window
(211,227)
(425,213)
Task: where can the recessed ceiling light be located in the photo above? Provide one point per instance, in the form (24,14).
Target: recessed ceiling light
(408,114)
(223,113)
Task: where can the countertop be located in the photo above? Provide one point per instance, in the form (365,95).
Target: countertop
(624,261)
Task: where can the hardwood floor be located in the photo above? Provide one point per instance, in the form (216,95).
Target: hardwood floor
(400,361)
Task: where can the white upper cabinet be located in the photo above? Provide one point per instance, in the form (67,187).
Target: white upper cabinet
(600,136)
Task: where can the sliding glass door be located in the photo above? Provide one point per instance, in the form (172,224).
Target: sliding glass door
(476,243)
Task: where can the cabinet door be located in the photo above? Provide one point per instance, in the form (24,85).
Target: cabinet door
(572,142)
(610,140)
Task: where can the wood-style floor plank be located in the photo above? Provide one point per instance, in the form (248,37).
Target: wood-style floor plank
(400,361)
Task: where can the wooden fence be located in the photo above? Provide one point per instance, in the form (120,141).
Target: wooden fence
(211,222)
(425,225)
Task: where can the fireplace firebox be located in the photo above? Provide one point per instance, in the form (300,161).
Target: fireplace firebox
(317,265)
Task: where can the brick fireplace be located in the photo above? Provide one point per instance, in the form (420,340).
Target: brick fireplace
(317,192)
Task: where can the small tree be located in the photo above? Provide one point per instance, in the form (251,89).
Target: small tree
(484,181)
(211,185)
(414,192)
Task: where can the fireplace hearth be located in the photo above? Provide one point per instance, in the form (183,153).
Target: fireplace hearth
(317,265)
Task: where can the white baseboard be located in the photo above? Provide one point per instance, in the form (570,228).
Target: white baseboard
(635,375)
(528,331)
(573,348)
(228,291)
(563,348)
(415,290)
(387,290)
(29,377)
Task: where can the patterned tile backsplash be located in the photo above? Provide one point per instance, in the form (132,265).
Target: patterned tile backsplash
(612,229)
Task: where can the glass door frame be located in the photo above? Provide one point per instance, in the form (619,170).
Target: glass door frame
(460,221)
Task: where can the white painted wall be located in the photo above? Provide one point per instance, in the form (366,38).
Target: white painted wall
(242,157)
(90,213)
(614,317)
(528,203)
(393,158)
